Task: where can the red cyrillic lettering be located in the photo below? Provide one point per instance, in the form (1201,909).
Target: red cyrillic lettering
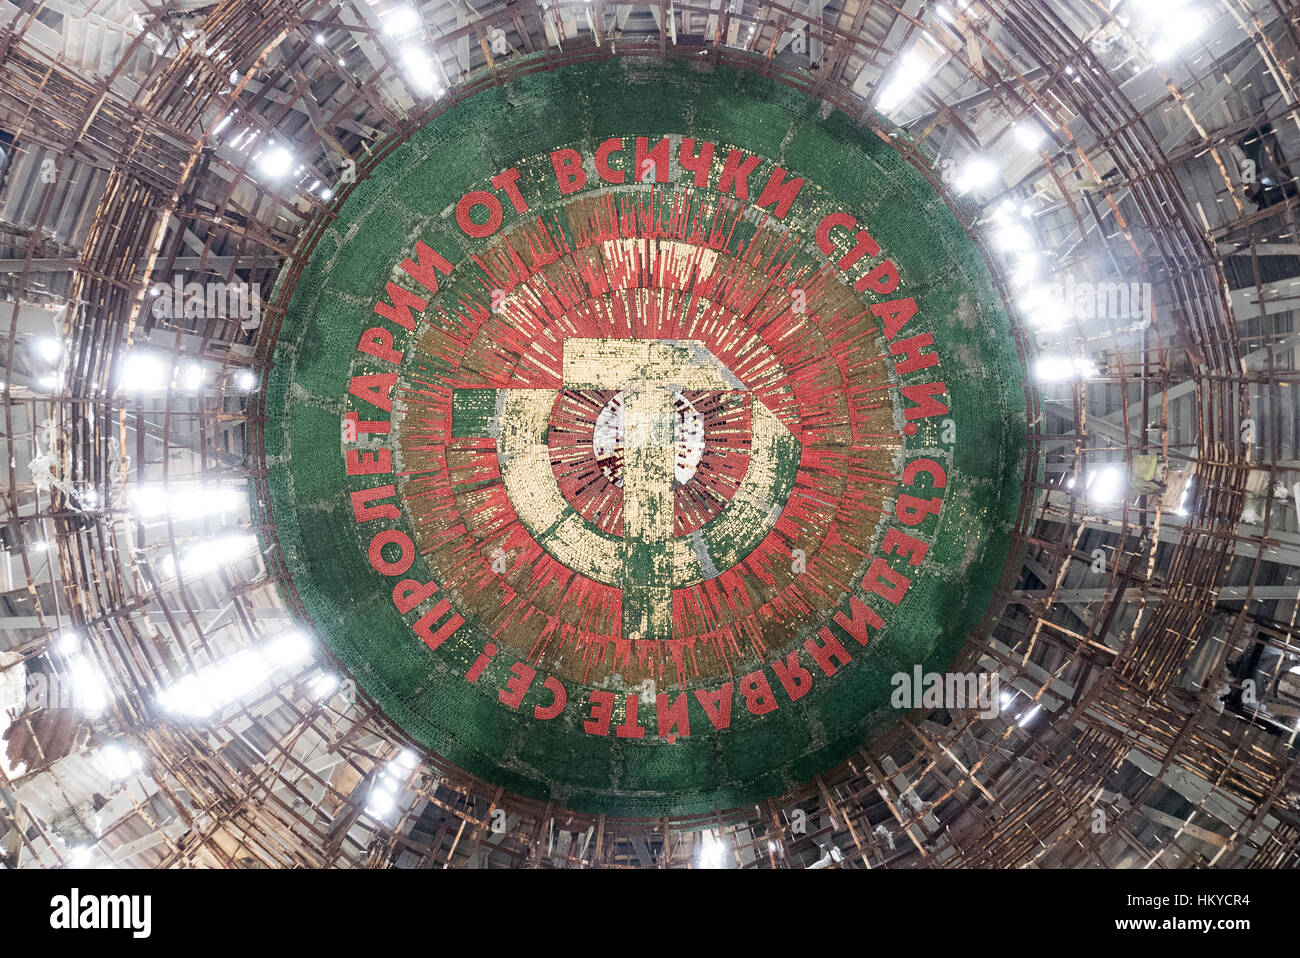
(830,651)
(602,710)
(926,406)
(673,714)
(927,466)
(364,511)
(660,156)
(894,314)
(505,181)
(569,173)
(468,202)
(865,246)
(375,388)
(912,349)
(362,462)
(914,549)
(758,693)
(781,193)
(359,425)
(701,164)
(409,593)
(425,271)
(829,222)
(481,663)
(435,639)
(912,510)
(391,537)
(398,309)
(735,174)
(378,342)
(863,616)
(612,145)
(882,280)
(884,581)
(717,705)
(517,685)
(559,697)
(794,678)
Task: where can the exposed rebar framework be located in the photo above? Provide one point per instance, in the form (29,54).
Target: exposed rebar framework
(1147,640)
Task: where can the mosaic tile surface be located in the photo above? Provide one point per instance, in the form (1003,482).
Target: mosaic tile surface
(633,424)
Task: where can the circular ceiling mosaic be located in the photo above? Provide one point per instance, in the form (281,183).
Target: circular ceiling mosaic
(632,425)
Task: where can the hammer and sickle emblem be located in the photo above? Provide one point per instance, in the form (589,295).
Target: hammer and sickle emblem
(648,561)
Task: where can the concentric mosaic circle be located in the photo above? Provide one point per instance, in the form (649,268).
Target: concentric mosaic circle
(632,425)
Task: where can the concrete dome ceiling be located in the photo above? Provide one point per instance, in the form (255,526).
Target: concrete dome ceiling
(424,451)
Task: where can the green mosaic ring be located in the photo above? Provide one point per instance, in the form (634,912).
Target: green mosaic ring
(634,425)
